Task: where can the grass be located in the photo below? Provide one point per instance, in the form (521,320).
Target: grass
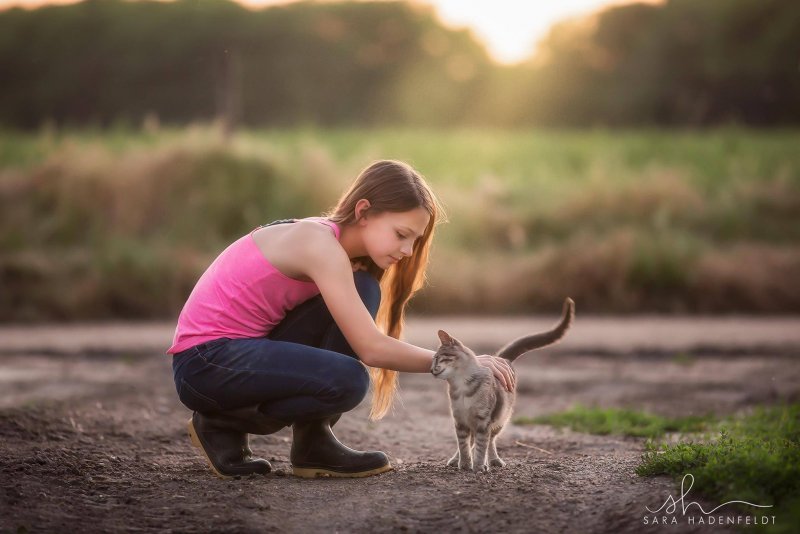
(618,421)
(753,458)
(683,358)
(121,223)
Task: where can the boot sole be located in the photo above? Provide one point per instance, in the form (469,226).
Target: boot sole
(197,443)
(314,472)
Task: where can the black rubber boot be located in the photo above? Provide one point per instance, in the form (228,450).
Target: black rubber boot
(317,452)
(222,437)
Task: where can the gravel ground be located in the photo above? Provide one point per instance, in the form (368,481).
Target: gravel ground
(92,436)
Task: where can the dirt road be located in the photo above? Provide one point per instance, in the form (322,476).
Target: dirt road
(95,441)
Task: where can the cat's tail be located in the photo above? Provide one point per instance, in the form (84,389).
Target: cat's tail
(520,346)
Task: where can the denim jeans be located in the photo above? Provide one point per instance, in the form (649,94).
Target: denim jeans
(304,368)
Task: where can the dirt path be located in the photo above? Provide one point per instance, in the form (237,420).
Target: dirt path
(97,443)
(589,335)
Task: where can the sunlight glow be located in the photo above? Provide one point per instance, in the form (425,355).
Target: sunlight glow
(510,28)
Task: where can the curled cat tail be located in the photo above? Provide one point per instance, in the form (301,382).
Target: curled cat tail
(520,346)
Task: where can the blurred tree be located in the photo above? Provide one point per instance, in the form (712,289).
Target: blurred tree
(327,63)
(369,63)
(681,62)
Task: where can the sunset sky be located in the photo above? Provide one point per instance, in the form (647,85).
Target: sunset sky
(509,28)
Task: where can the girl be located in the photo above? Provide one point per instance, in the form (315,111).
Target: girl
(280,327)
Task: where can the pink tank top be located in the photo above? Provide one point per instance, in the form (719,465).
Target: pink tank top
(240,295)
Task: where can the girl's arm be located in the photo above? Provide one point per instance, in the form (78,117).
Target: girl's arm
(322,259)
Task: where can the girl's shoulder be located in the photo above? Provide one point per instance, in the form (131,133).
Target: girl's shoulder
(289,247)
(324,223)
(289,233)
(314,227)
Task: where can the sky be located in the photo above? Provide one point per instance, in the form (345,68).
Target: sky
(510,29)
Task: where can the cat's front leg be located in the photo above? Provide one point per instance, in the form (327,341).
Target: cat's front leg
(494,458)
(454,461)
(481,448)
(464,449)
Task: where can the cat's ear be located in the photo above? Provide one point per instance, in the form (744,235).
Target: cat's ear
(445,338)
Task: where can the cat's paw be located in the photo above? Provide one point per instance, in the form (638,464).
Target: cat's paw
(452,462)
(497,462)
(465,466)
(481,468)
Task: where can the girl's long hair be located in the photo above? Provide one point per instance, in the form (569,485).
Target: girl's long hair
(391,186)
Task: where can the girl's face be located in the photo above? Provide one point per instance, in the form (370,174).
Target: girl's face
(390,236)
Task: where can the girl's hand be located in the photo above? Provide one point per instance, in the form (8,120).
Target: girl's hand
(501,369)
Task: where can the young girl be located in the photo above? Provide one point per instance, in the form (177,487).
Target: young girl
(280,327)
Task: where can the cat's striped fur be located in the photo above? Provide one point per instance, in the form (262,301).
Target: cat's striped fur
(480,405)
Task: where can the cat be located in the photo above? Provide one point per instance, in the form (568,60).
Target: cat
(479,403)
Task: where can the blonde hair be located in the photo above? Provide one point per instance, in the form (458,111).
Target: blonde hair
(396,187)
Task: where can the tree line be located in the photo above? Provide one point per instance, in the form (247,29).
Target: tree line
(678,63)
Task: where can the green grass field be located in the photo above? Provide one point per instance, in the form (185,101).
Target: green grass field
(121,223)
(753,457)
(618,421)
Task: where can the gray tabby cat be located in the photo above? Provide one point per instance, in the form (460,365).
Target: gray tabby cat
(480,405)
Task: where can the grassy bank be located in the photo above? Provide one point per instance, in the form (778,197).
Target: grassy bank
(618,421)
(753,458)
(100,224)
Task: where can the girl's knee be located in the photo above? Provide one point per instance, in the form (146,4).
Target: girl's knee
(369,289)
(350,384)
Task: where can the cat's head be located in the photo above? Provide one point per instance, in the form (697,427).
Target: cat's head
(451,356)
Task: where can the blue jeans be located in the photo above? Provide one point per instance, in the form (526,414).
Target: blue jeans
(304,369)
